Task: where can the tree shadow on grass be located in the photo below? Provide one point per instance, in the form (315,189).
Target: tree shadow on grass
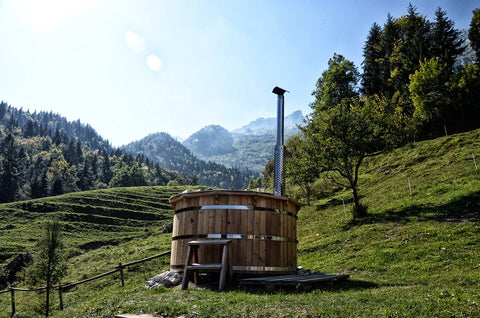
(333,202)
(352,284)
(466,208)
(335,286)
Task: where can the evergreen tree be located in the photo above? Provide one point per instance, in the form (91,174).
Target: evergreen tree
(57,187)
(88,174)
(446,42)
(474,33)
(194,180)
(8,169)
(372,70)
(390,38)
(413,46)
(11,124)
(39,182)
(57,137)
(69,151)
(3,110)
(24,176)
(29,129)
(50,261)
(106,170)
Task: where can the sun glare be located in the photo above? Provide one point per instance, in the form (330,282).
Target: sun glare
(134,41)
(154,62)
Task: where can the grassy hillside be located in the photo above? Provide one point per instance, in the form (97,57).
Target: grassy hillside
(417,254)
(90,218)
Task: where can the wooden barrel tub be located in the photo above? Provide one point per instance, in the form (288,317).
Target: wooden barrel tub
(262,229)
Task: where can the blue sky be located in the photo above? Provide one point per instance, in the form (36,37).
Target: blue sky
(131,68)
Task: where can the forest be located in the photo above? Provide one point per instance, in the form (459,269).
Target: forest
(43,154)
(412,86)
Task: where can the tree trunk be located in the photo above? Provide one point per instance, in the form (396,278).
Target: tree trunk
(358,209)
(47,302)
(308,190)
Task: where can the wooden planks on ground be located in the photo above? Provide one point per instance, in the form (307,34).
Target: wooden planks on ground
(301,282)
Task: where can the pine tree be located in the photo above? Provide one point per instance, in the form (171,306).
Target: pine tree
(3,109)
(39,182)
(446,41)
(106,170)
(389,40)
(474,33)
(372,53)
(88,173)
(50,262)
(8,170)
(412,48)
(57,138)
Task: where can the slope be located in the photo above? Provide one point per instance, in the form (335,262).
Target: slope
(91,218)
(416,255)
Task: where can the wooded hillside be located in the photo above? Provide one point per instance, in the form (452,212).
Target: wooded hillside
(42,154)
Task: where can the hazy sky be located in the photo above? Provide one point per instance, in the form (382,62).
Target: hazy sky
(131,68)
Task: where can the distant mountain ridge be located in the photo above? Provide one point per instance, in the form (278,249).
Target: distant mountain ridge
(468,55)
(268,126)
(171,154)
(248,147)
(210,141)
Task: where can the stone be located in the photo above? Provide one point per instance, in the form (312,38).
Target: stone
(167,227)
(166,279)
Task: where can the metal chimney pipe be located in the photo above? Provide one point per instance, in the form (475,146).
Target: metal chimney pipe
(278,170)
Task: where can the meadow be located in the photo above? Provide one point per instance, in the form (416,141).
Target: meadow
(416,254)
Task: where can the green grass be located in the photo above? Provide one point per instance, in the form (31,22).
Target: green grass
(90,217)
(416,254)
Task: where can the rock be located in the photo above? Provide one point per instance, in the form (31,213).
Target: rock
(166,278)
(303,272)
(167,227)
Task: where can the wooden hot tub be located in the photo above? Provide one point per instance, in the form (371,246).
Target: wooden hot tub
(262,228)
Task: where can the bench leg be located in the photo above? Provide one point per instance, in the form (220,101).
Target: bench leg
(223,271)
(185,270)
(195,260)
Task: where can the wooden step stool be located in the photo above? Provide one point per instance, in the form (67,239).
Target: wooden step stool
(192,265)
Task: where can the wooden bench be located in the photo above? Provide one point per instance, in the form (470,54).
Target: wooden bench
(193,266)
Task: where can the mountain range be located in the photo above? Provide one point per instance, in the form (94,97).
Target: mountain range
(44,154)
(248,147)
(268,126)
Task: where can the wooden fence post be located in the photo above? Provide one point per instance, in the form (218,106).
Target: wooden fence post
(120,268)
(12,294)
(60,296)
